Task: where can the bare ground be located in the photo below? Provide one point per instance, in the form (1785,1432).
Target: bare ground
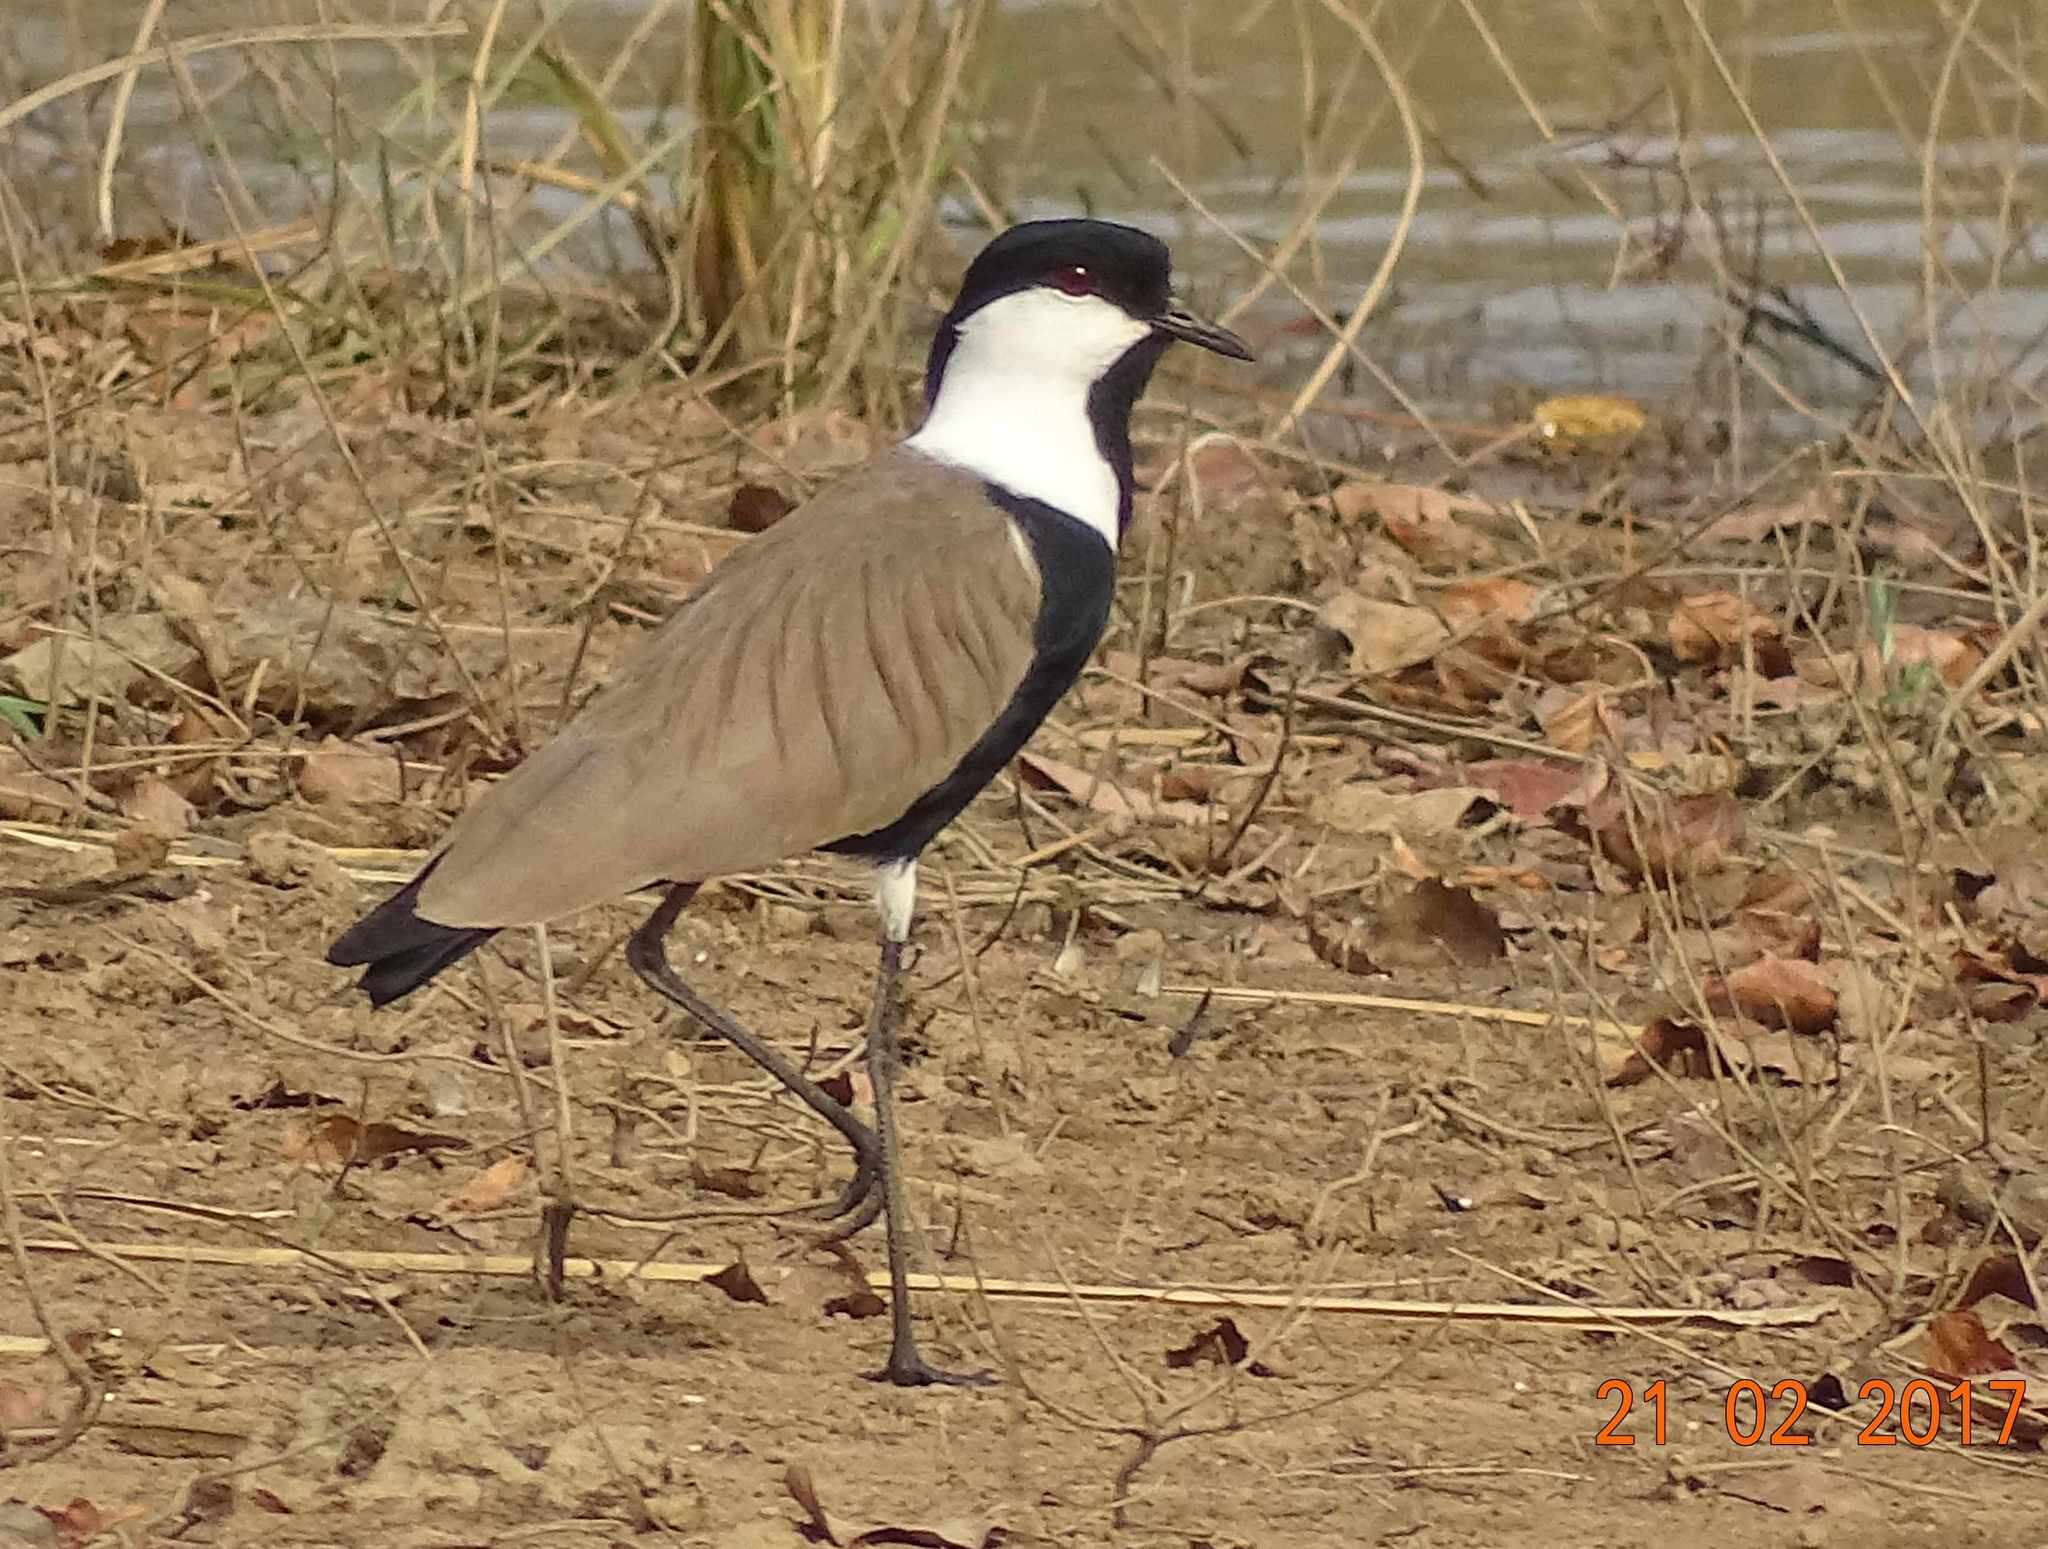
(182,1070)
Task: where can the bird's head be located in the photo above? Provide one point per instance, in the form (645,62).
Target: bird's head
(1068,300)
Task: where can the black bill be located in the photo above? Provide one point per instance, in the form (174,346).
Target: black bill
(1179,323)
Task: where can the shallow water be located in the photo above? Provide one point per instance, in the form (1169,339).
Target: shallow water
(1509,275)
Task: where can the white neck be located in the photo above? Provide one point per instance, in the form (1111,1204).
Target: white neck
(1012,404)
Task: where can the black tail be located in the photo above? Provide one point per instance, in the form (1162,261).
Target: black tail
(401,950)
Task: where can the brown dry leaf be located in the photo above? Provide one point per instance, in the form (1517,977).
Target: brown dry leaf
(755,508)
(1340,946)
(137,652)
(488,1189)
(733,1182)
(1362,807)
(1958,1345)
(947,1533)
(1572,421)
(19,1405)
(1421,520)
(1530,787)
(1573,722)
(1679,1047)
(860,1300)
(1775,992)
(1383,636)
(1212,680)
(738,1282)
(1751,524)
(1431,921)
(151,800)
(2006,984)
(335,772)
(1114,796)
(1777,914)
(1226,467)
(190,608)
(1952,656)
(81,1522)
(1715,628)
(1685,838)
(339,1139)
(1501,598)
(1997,1274)
(1221,1344)
(27,796)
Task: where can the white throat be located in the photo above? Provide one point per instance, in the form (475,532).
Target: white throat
(1012,404)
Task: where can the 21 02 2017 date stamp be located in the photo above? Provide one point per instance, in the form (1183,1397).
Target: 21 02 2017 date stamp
(1917,1413)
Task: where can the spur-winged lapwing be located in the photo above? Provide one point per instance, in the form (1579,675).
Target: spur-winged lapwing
(851,678)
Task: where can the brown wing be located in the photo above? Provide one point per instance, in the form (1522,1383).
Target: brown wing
(819,681)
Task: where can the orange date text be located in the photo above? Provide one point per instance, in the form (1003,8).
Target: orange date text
(1915,1413)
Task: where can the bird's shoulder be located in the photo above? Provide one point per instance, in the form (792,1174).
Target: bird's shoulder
(903,523)
(898,509)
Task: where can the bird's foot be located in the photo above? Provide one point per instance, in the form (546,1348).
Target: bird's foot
(908,1369)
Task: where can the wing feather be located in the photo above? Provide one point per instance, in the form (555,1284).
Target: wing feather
(821,680)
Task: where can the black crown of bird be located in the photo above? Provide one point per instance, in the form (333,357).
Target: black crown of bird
(847,681)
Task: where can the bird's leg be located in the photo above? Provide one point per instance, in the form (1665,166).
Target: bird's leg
(906,1367)
(647,951)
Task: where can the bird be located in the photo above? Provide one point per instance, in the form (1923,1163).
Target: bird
(848,680)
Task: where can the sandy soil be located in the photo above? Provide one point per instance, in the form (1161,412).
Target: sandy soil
(182,1071)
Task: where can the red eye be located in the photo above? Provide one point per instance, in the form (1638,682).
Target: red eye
(1075,280)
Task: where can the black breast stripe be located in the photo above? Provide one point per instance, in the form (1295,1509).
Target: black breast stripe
(1076,579)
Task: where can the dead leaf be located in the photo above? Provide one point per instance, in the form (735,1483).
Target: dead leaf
(19,1405)
(278,1095)
(1431,921)
(2007,983)
(1572,421)
(1716,629)
(1751,524)
(1341,946)
(81,1521)
(1957,1345)
(1502,598)
(738,1282)
(1384,636)
(755,508)
(1785,992)
(948,1533)
(152,800)
(1667,839)
(1363,807)
(1530,787)
(29,796)
(1679,1047)
(1576,720)
(334,772)
(338,1140)
(488,1189)
(1220,1344)
(1105,792)
(1226,467)
(1952,657)
(1777,915)
(733,1182)
(1423,521)
(1997,1274)
(139,651)
(857,1299)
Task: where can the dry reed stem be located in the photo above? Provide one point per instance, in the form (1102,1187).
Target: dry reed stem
(1573,1315)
